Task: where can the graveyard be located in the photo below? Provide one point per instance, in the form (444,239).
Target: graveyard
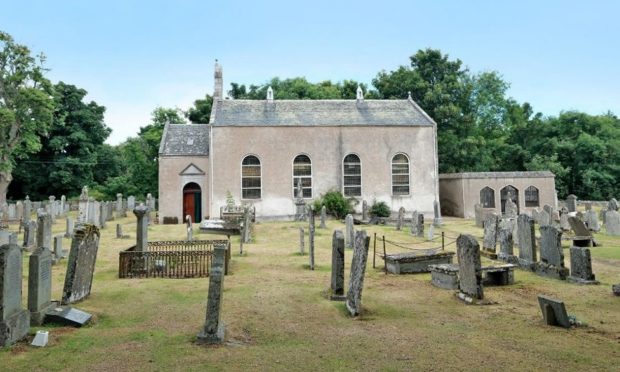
(278,315)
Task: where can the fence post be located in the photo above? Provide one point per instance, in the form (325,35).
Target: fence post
(374,252)
(442,241)
(384,257)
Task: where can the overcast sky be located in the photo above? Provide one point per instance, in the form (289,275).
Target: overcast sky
(132,56)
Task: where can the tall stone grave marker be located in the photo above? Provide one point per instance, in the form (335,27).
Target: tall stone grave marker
(491,226)
(311,235)
(142,228)
(337,282)
(470,269)
(14,320)
(131,202)
(571,203)
(581,266)
(58,251)
(30,232)
(213,332)
(544,219)
(591,220)
(69,227)
(19,210)
(506,246)
(83,206)
(510,208)
(39,284)
(364,210)
(437,220)
(63,204)
(551,255)
(612,223)
(44,231)
(478,214)
(27,210)
(349,231)
(417,224)
(301,240)
(401,218)
(81,264)
(358,269)
(527,241)
(323,217)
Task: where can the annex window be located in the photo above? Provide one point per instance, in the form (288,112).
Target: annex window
(250,178)
(400,174)
(302,175)
(487,197)
(352,175)
(531,197)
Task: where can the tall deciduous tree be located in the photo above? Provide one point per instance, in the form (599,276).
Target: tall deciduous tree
(26,106)
(201,112)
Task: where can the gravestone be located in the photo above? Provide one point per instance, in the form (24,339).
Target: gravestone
(301,240)
(551,255)
(581,266)
(27,210)
(470,269)
(7,237)
(401,218)
(601,215)
(544,219)
(119,232)
(323,217)
(246,232)
(119,203)
(591,220)
(214,329)
(311,235)
(417,224)
(580,229)
(40,339)
(58,251)
(39,284)
(554,311)
(63,204)
(431,232)
(506,246)
(510,208)
(131,202)
(437,221)
(349,231)
(141,228)
(19,210)
(364,210)
(14,320)
(81,264)
(527,241)
(337,282)
(12,212)
(491,226)
(613,205)
(69,227)
(358,269)
(44,231)
(478,214)
(571,203)
(188,227)
(564,225)
(612,223)
(30,232)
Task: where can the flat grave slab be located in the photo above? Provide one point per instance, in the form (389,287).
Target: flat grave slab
(416,262)
(68,315)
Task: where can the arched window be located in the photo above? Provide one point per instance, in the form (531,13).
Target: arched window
(531,197)
(352,175)
(509,192)
(400,174)
(302,175)
(250,178)
(487,197)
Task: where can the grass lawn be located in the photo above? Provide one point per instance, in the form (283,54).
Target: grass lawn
(278,317)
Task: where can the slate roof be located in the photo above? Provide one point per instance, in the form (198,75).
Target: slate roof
(185,139)
(404,112)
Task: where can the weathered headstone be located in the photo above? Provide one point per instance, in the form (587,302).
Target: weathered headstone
(554,311)
(527,241)
(349,231)
(431,232)
(81,264)
(213,331)
(40,339)
(401,218)
(613,205)
(19,210)
(39,284)
(581,266)
(571,203)
(311,235)
(544,219)
(131,202)
(63,204)
(58,251)
(551,255)
(506,246)
(44,231)
(437,221)
(188,227)
(30,232)
(579,228)
(69,227)
(323,217)
(491,226)
(301,240)
(470,269)
(564,225)
(417,224)
(7,237)
(591,220)
(358,269)
(510,208)
(14,320)
(119,232)
(478,214)
(612,223)
(142,228)
(337,282)
(27,210)
(364,210)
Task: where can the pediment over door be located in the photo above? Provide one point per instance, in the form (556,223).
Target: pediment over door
(192,170)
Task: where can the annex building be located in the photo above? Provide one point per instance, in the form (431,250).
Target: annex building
(259,151)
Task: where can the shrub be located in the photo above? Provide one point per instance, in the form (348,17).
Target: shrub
(379,209)
(335,203)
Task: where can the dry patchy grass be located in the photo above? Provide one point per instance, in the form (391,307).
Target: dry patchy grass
(278,318)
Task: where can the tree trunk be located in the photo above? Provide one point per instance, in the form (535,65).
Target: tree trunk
(5,180)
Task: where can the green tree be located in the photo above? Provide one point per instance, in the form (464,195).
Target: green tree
(299,88)
(200,113)
(26,106)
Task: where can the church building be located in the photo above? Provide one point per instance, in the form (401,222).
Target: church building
(260,151)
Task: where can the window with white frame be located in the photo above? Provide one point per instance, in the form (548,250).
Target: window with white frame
(400,175)
(352,175)
(250,178)
(302,175)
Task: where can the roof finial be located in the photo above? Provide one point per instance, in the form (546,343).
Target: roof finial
(360,93)
(269,94)
(409,95)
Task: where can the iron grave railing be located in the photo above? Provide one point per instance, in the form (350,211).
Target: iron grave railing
(171,259)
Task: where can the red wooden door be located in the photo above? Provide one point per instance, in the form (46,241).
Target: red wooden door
(188,205)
